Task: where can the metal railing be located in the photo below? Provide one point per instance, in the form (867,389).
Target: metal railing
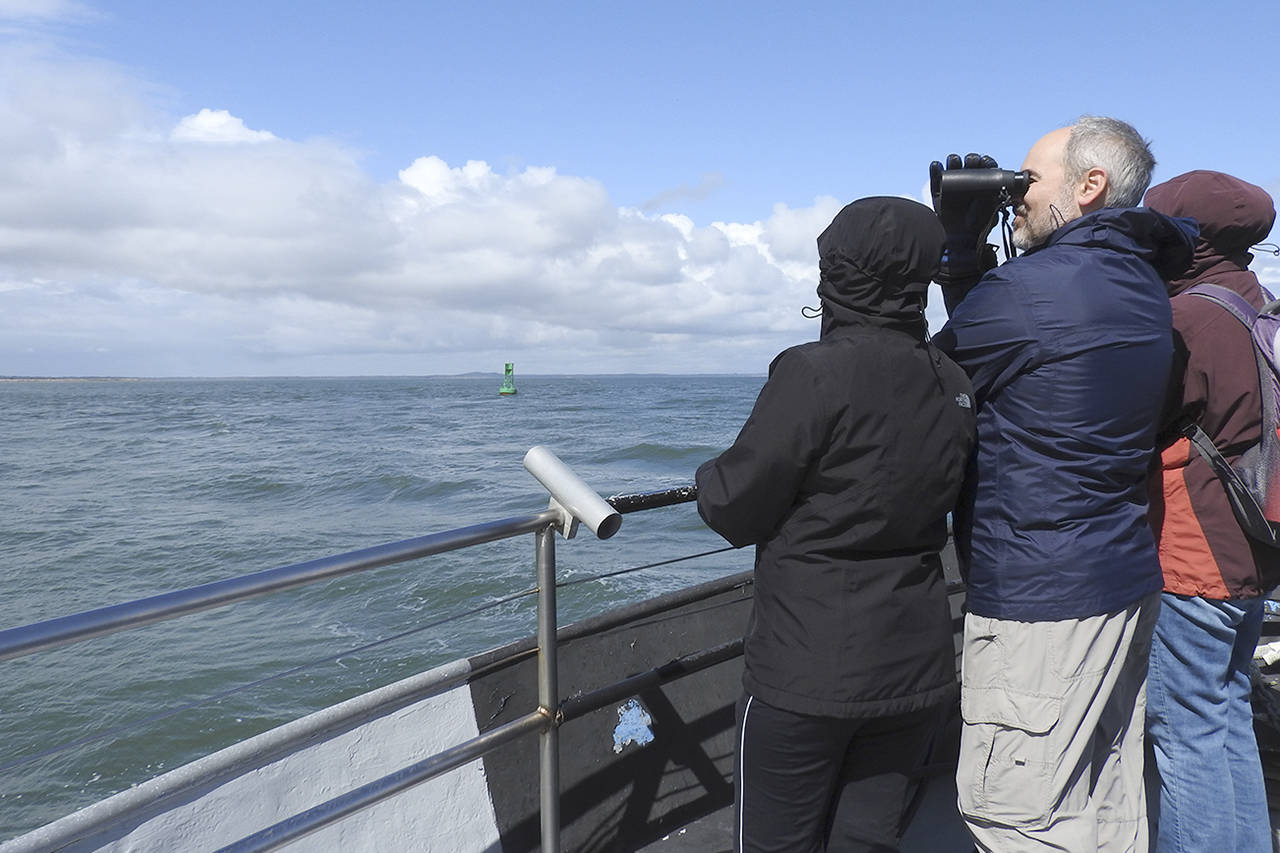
(16,642)
(572,502)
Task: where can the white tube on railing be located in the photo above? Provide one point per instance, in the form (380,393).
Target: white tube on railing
(571,496)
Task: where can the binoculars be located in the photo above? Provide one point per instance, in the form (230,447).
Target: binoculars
(985,180)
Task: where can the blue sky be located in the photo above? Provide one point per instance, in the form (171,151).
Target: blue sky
(405,188)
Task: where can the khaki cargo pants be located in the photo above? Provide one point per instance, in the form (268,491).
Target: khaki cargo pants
(1051,750)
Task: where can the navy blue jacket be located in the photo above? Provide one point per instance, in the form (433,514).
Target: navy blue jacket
(1069,349)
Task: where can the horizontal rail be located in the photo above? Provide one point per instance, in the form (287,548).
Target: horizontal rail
(579,706)
(334,810)
(63,630)
(16,642)
(653,500)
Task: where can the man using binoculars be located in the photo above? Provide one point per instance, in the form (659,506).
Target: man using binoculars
(1069,350)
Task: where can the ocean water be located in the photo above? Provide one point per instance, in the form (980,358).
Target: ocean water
(118,489)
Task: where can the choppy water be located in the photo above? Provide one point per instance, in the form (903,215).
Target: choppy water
(115,490)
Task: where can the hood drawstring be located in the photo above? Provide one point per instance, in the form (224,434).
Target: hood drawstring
(935,354)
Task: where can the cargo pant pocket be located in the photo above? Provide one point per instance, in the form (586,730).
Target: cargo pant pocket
(1007,756)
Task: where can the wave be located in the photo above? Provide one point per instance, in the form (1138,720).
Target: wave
(659,454)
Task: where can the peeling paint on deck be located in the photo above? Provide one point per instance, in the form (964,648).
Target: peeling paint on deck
(633,726)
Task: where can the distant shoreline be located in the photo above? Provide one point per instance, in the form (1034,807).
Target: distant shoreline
(488,376)
(72,379)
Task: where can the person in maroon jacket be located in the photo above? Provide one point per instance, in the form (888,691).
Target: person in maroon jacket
(1199,720)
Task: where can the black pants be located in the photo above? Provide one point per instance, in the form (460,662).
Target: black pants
(807,784)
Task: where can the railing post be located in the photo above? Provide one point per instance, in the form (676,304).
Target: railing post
(548,690)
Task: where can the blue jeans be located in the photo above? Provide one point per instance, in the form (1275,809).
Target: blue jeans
(1205,788)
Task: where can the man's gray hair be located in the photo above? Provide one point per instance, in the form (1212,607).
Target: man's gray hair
(1113,145)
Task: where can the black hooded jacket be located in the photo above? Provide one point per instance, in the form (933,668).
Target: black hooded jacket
(843,476)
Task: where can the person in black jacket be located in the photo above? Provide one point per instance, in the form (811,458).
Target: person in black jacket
(842,477)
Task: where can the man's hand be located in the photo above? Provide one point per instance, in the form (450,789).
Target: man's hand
(967,217)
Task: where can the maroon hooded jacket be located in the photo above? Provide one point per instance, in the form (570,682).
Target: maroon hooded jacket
(1203,550)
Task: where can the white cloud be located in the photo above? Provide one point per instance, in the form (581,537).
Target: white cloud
(37,11)
(707,185)
(217,126)
(1267,266)
(440,184)
(204,246)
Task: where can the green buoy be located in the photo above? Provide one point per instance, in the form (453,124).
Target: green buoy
(508,381)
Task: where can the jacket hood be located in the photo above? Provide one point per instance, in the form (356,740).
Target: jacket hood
(875,261)
(1165,242)
(1232,214)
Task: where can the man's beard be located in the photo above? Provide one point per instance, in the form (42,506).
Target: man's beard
(1034,230)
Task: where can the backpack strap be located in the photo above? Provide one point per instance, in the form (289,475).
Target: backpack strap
(1237,306)
(1244,505)
(1233,302)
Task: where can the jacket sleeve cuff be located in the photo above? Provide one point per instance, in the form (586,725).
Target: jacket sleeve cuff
(960,270)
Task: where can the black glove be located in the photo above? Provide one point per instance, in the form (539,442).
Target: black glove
(967,217)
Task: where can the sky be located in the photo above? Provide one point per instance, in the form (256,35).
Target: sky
(410,188)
